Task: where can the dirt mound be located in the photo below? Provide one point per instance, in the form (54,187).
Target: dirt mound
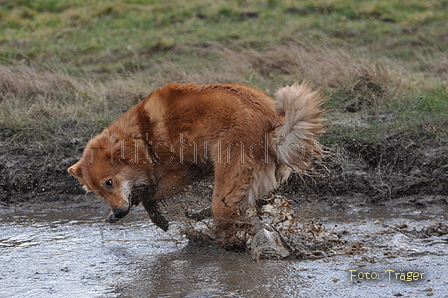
(28,173)
(396,167)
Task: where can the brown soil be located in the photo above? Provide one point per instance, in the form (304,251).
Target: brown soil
(400,165)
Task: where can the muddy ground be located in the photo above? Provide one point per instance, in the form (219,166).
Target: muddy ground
(397,166)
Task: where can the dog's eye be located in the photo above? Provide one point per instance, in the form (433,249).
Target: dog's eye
(108,183)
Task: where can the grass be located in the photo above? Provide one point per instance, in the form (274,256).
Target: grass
(69,68)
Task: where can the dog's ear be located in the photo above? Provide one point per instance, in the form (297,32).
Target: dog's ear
(106,132)
(75,170)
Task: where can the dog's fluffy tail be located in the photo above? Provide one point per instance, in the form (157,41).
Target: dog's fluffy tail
(296,142)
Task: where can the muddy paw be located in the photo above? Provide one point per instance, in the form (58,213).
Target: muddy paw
(152,207)
(157,218)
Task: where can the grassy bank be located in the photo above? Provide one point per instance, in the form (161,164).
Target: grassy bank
(69,68)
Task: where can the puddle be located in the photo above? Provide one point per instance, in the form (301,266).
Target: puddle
(73,253)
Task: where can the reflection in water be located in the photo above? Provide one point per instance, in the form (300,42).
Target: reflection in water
(198,272)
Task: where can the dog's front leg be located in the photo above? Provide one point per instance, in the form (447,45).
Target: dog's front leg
(171,181)
(152,207)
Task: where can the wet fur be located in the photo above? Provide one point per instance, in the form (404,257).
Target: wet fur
(248,141)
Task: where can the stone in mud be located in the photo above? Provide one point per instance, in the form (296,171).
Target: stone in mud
(267,243)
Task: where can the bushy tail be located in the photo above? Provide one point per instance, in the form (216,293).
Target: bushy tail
(296,140)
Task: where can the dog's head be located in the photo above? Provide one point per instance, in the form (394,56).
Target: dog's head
(106,170)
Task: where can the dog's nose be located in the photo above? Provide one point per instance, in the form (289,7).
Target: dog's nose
(120,213)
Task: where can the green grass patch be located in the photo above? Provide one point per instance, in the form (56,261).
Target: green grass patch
(68,68)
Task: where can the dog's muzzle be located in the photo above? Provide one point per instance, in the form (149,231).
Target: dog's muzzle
(118,213)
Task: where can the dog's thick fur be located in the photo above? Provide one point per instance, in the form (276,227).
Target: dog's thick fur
(184,131)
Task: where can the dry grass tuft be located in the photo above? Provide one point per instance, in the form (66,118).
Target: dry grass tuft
(32,98)
(371,85)
(325,66)
(321,65)
(29,96)
(32,85)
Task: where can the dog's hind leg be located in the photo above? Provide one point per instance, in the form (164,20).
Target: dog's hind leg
(229,196)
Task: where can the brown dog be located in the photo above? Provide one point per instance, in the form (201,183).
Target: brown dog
(184,131)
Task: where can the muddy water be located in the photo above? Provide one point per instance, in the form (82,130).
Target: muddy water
(71,252)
